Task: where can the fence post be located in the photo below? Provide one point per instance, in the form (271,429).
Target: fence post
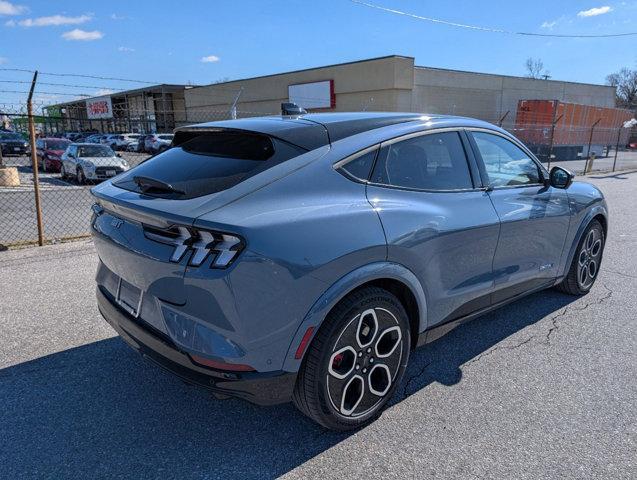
(233,107)
(551,142)
(502,118)
(590,142)
(619,133)
(34,161)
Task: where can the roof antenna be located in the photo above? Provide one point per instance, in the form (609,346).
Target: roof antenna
(292,109)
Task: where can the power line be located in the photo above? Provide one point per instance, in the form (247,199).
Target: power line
(78,75)
(486,29)
(53,84)
(47,93)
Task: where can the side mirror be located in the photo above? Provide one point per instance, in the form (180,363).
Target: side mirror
(118,155)
(560,177)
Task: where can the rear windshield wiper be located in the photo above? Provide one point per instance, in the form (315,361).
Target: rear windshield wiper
(147,184)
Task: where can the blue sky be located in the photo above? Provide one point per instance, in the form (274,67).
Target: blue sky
(168,41)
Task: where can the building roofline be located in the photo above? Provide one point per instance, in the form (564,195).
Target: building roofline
(510,76)
(172,86)
(303,70)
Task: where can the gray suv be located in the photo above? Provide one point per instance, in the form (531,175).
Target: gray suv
(303,257)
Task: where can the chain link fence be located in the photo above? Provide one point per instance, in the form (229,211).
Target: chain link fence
(65,202)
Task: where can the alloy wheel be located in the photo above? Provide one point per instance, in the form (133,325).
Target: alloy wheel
(589,257)
(364,362)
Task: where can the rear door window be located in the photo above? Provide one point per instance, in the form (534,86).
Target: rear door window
(435,161)
(205,163)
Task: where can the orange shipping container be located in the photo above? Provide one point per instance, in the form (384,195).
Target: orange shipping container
(573,122)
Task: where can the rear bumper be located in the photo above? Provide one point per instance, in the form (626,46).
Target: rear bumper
(269,388)
(13,149)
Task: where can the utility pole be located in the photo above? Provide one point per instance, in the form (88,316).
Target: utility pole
(34,161)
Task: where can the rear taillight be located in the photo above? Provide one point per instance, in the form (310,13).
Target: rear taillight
(223,247)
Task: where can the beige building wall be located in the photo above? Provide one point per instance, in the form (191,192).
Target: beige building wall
(393,84)
(376,84)
(489,97)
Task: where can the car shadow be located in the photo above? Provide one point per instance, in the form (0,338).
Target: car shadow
(618,176)
(100,410)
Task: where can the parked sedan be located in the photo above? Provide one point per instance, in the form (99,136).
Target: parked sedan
(89,162)
(120,141)
(49,152)
(303,258)
(13,143)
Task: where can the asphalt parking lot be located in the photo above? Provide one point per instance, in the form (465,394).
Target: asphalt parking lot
(543,388)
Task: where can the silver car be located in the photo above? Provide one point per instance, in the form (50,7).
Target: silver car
(88,162)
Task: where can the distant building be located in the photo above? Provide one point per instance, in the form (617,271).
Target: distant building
(392,83)
(158,108)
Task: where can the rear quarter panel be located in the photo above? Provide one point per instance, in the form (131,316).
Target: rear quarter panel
(303,233)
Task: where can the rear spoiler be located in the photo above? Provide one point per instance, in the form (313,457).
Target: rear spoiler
(297,131)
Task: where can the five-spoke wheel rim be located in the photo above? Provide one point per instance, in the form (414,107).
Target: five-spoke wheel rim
(364,362)
(589,258)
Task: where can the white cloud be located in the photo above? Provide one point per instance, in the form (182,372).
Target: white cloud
(549,25)
(3,60)
(103,91)
(210,59)
(125,49)
(593,12)
(115,16)
(8,8)
(82,35)
(53,20)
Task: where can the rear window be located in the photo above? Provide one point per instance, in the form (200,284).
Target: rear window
(57,144)
(95,151)
(209,163)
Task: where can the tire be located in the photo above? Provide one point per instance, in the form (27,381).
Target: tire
(586,262)
(355,362)
(81,178)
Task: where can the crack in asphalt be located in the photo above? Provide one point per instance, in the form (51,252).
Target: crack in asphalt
(622,274)
(413,377)
(554,320)
(555,325)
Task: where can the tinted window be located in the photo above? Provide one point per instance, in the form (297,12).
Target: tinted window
(361,167)
(428,162)
(10,136)
(57,144)
(506,163)
(95,151)
(211,162)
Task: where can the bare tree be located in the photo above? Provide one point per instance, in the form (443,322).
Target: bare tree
(625,83)
(535,68)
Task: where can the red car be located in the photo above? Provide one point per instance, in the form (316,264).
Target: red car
(632,145)
(49,151)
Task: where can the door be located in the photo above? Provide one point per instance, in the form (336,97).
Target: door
(534,216)
(437,220)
